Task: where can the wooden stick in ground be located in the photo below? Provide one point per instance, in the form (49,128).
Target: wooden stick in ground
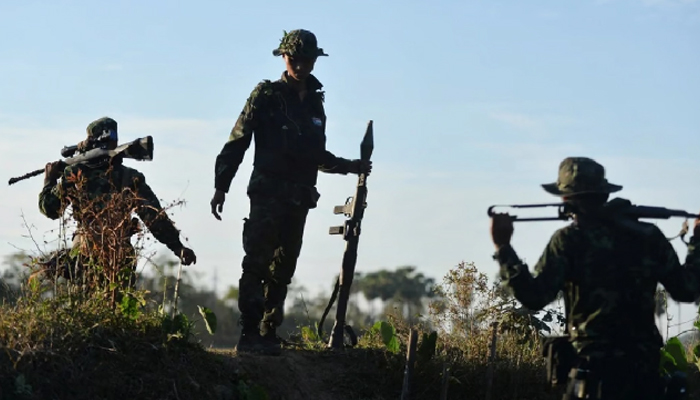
(410,359)
(516,374)
(177,289)
(492,358)
(445,381)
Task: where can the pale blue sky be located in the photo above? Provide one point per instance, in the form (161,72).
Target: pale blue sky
(473,104)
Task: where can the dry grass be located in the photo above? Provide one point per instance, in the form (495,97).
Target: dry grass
(463,316)
(80,348)
(94,337)
(79,330)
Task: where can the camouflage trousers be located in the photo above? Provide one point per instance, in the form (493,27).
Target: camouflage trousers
(74,264)
(632,376)
(272,239)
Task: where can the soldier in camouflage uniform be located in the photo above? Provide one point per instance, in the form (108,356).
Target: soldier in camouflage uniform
(287,119)
(608,274)
(103,178)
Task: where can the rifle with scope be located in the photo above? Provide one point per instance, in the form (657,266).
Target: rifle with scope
(620,212)
(614,208)
(140,149)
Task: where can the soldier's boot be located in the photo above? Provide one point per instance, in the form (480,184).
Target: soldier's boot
(251,341)
(268,333)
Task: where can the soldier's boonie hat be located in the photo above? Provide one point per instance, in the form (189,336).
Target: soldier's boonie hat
(579,175)
(97,127)
(299,42)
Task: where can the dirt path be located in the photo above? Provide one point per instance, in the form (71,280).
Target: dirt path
(318,375)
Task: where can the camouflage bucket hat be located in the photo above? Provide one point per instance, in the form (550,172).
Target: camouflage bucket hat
(299,42)
(579,175)
(99,126)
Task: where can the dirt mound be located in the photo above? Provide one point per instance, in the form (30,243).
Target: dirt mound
(358,374)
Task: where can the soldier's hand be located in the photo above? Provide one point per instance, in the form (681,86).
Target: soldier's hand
(53,170)
(187,256)
(360,166)
(501,229)
(83,145)
(217,203)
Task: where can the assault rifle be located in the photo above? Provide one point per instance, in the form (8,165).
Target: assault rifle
(354,209)
(619,211)
(615,207)
(139,149)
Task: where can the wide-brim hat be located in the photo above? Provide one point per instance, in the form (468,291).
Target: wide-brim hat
(299,42)
(580,175)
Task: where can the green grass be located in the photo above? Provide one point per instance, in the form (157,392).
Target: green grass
(78,347)
(71,347)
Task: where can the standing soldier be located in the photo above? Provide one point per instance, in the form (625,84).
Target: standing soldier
(89,187)
(288,121)
(608,273)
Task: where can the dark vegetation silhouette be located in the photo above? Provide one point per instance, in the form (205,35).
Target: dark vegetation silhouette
(171,338)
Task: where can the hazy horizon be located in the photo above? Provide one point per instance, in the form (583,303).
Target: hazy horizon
(473,104)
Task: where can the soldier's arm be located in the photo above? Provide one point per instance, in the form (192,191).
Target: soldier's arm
(52,198)
(534,292)
(330,163)
(154,216)
(50,201)
(682,281)
(231,155)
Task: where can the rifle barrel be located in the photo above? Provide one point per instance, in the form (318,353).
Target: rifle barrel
(534,205)
(659,212)
(514,218)
(26,176)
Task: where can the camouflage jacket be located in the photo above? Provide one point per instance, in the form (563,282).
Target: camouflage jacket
(290,137)
(608,277)
(101,183)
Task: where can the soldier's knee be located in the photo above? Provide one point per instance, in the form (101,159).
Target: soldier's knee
(251,308)
(291,252)
(250,281)
(283,270)
(257,266)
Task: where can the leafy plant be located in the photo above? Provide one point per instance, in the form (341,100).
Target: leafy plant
(673,357)
(388,335)
(426,348)
(209,318)
(22,388)
(251,391)
(309,335)
(131,304)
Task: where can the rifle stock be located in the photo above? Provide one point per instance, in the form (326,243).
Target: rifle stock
(354,209)
(139,149)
